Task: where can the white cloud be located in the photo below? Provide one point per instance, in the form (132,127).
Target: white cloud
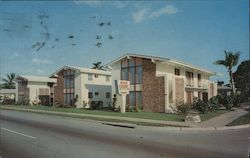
(41,61)
(169,9)
(15,55)
(120,4)
(89,3)
(146,13)
(40,71)
(140,15)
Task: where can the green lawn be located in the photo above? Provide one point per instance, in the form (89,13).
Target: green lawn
(245,119)
(143,115)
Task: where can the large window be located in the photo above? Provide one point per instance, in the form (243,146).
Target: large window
(132,70)
(69,86)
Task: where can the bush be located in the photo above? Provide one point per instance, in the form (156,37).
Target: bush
(235,100)
(8,101)
(183,108)
(200,105)
(213,103)
(96,105)
(226,101)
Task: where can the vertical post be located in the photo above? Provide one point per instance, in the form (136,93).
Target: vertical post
(123,106)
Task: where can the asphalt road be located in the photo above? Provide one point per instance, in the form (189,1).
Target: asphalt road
(25,135)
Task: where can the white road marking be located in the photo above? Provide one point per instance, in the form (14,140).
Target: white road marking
(25,135)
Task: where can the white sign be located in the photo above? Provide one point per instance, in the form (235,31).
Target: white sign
(122,88)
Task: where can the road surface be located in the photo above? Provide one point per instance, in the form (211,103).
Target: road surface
(30,135)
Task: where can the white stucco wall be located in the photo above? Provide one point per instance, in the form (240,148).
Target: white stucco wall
(116,75)
(34,89)
(83,86)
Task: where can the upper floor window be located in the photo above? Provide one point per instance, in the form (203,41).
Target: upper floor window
(189,77)
(107,78)
(96,93)
(132,70)
(96,76)
(90,77)
(177,72)
(199,80)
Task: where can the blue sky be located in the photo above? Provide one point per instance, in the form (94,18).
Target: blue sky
(195,32)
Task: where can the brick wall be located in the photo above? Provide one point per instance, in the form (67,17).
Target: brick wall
(153,91)
(58,89)
(179,91)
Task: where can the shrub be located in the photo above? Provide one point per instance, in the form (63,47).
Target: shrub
(226,101)
(96,105)
(183,108)
(213,103)
(235,100)
(200,105)
(8,101)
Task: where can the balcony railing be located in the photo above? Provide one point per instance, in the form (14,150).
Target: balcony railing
(200,85)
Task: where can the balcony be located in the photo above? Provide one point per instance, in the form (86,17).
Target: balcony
(200,86)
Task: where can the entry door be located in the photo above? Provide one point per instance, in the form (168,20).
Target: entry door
(189,97)
(205,96)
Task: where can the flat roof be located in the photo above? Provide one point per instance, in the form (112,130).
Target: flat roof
(7,91)
(161,59)
(37,78)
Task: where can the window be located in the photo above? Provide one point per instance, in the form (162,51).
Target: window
(199,80)
(189,77)
(96,76)
(69,86)
(96,93)
(124,73)
(132,70)
(107,94)
(90,95)
(138,75)
(177,72)
(90,77)
(107,78)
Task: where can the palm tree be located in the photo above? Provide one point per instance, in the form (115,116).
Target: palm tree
(9,81)
(231,60)
(98,65)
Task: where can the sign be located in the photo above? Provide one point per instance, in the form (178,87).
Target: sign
(122,88)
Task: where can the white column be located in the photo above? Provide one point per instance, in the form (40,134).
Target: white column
(167,108)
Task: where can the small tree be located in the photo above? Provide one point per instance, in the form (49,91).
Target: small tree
(231,60)
(98,65)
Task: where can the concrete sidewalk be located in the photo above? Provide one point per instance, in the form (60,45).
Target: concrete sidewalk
(222,120)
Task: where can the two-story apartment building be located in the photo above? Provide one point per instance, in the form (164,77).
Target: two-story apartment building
(160,84)
(35,89)
(87,84)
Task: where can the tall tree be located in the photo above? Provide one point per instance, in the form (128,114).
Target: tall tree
(231,60)
(98,65)
(9,81)
(242,78)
